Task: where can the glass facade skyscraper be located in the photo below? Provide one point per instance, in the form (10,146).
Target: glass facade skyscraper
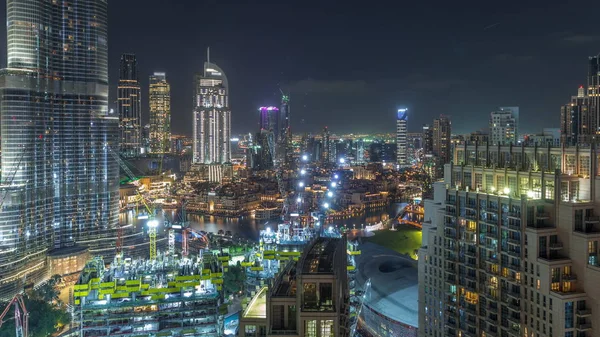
(59,181)
(129,107)
(212,116)
(160,114)
(401,140)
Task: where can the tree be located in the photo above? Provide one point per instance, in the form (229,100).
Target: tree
(233,279)
(45,318)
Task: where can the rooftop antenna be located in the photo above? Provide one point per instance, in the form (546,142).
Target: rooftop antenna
(207,59)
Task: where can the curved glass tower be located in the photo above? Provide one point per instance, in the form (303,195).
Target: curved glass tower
(212,116)
(59,181)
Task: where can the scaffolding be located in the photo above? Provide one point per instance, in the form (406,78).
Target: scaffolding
(163,297)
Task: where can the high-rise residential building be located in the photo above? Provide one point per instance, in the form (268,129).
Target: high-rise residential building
(159,98)
(401,131)
(442,130)
(129,107)
(427,139)
(504,126)
(576,120)
(60,186)
(212,116)
(510,244)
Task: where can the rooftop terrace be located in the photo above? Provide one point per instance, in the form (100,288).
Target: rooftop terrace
(319,259)
(257,308)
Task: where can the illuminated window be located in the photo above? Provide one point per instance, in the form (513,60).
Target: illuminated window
(538,284)
(310,328)
(327,328)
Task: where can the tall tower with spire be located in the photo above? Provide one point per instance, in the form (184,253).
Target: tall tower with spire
(212,115)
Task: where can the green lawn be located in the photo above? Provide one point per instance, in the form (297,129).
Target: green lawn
(405,240)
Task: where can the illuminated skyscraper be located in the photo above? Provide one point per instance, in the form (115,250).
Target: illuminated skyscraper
(212,117)
(269,120)
(442,129)
(60,184)
(160,113)
(129,107)
(401,130)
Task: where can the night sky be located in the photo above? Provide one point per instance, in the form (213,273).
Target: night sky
(351,66)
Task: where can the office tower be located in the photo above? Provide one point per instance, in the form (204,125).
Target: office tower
(427,139)
(359,151)
(325,145)
(212,116)
(510,244)
(401,130)
(309,297)
(442,129)
(160,114)
(504,126)
(269,120)
(60,187)
(575,120)
(285,139)
(261,156)
(593,94)
(129,107)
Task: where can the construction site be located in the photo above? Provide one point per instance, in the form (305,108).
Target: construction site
(164,296)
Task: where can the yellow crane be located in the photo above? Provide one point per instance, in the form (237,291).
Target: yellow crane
(152,223)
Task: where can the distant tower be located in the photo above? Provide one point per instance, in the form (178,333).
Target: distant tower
(401,130)
(504,126)
(129,107)
(212,116)
(160,114)
(441,136)
(325,144)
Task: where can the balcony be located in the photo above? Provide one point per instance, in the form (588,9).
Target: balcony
(592,219)
(512,253)
(472,207)
(451,202)
(514,267)
(542,216)
(472,217)
(584,313)
(584,327)
(556,246)
(514,227)
(513,293)
(569,277)
(513,319)
(283,332)
(514,306)
(516,242)
(514,215)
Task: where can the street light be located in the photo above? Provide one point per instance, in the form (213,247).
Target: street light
(304,157)
(506,191)
(335,176)
(342,160)
(152,223)
(299,200)
(326,205)
(330,194)
(333,184)
(301,184)
(303,172)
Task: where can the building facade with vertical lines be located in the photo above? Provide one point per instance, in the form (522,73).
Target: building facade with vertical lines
(510,244)
(59,183)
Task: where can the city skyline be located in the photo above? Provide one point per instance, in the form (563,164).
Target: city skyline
(478,62)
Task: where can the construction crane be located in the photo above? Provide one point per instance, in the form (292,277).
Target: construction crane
(151,223)
(21,316)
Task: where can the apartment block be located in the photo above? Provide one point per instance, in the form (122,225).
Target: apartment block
(510,244)
(308,298)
